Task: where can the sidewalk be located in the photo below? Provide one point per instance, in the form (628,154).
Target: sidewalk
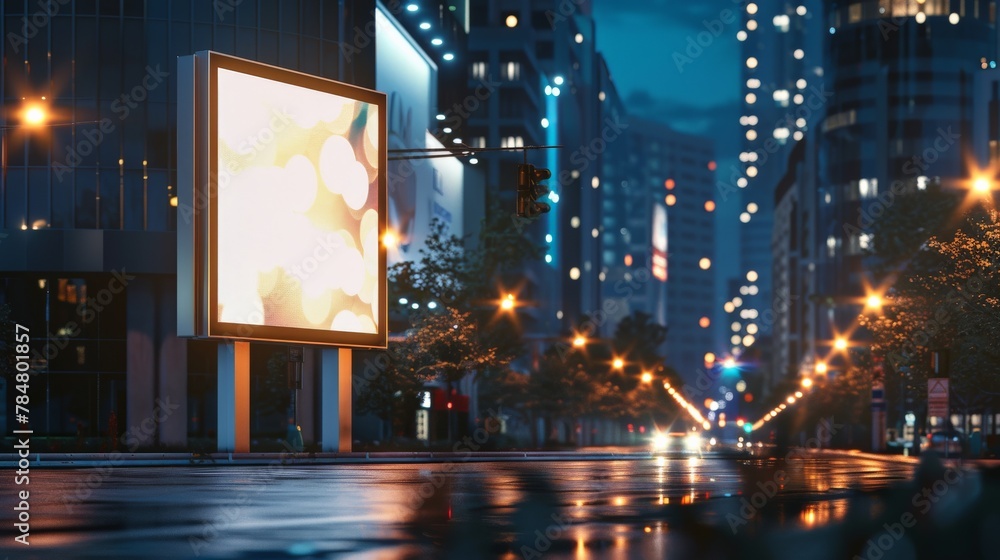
(81,460)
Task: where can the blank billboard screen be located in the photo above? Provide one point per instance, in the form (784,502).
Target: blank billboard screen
(297,200)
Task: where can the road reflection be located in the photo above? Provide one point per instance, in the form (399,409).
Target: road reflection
(639,508)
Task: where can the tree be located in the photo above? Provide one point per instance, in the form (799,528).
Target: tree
(455,327)
(946,300)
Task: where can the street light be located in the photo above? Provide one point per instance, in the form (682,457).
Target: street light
(507,304)
(618,363)
(840,343)
(874,302)
(821,368)
(579,341)
(34,114)
(981,185)
(647,377)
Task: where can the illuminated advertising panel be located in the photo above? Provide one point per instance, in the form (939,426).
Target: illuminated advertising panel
(660,243)
(290,205)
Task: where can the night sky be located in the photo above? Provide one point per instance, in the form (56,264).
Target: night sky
(639,39)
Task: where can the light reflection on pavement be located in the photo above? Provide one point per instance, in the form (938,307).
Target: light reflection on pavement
(638,508)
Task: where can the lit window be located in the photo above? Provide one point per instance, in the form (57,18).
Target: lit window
(801,10)
(574,273)
(865,241)
(574,222)
(478,70)
(753,83)
(801,83)
(752,119)
(741,182)
(745,218)
(799,54)
(595,182)
(511,20)
(579,38)
(751,171)
(780,97)
(512,71)
(953,19)
(741,35)
(751,98)
(751,135)
(781,133)
(751,62)
(751,25)
(751,8)
(798,99)
(781,22)
(752,208)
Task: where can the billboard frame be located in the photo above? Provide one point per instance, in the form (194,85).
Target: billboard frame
(198,190)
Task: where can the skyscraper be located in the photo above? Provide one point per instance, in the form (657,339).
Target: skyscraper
(782,85)
(902,77)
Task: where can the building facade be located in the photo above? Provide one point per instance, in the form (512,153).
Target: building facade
(782,89)
(902,76)
(660,260)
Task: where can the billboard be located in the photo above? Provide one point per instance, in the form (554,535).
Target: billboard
(282,205)
(660,242)
(419,190)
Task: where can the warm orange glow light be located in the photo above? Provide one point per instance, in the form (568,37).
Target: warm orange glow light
(34,115)
(389,239)
(821,367)
(807,382)
(704,322)
(873,301)
(508,302)
(647,377)
(579,341)
(981,185)
(709,205)
(840,343)
(618,363)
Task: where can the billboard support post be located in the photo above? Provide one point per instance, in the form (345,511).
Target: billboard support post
(234,396)
(336,403)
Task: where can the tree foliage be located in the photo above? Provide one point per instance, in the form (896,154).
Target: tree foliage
(455,328)
(946,299)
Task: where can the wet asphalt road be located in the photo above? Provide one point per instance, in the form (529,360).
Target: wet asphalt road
(660,507)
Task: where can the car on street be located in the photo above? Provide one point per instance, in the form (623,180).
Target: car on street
(948,443)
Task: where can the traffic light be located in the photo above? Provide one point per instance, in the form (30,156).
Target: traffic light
(529,190)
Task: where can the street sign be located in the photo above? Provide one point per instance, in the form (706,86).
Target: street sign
(878,396)
(878,416)
(937,397)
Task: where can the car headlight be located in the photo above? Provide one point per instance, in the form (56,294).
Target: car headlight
(659,441)
(692,441)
